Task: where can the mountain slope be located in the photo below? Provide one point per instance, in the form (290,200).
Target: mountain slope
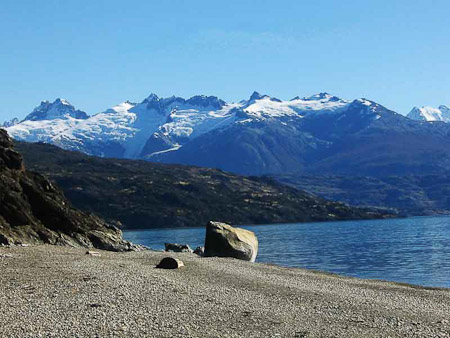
(33,210)
(150,195)
(409,195)
(379,142)
(267,137)
(363,139)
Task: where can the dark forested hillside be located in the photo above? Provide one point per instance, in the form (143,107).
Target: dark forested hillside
(410,195)
(149,195)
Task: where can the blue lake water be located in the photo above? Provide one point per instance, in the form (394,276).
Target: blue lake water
(411,250)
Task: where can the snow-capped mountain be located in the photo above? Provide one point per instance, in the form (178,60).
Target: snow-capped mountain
(156,124)
(263,106)
(273,136)
(124,129)
(260,135)
(430,114)
(59,109)
(47,122)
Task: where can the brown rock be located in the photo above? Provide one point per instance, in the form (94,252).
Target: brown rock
(170,263)
(223,240)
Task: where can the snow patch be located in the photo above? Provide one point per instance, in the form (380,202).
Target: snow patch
(430,114)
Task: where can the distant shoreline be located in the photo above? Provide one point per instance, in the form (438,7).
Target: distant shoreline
(288,223)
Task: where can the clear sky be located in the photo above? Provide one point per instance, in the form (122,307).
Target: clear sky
(98,53)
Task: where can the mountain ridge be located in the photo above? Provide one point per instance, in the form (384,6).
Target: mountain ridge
(262,135)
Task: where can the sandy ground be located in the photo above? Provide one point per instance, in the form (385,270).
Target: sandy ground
(50,291)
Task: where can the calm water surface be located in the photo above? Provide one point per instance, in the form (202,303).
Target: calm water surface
(411,250)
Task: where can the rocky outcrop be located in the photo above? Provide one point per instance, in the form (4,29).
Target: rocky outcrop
(223,240)
(200,251)
(174,247)
(34,211)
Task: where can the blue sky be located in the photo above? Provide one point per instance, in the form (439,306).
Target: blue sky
(99,53)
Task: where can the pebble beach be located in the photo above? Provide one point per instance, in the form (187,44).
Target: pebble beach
(50,291)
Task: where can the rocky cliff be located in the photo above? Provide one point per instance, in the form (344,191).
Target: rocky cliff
(34,211)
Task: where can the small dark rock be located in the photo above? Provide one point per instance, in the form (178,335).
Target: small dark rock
(93,253)
(170,263)
(200,250)
(174,247)
(4,240)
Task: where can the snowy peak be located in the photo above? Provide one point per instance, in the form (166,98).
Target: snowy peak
(11,123)
(257,96)
(320,97)
(430,114)
(151,98)
(121,107)
(155,103)
(263,106)
(175,102)
(59,109)
(444,109)
(364,102)
(367,109)
(364,107)
(206,101)
(62,102)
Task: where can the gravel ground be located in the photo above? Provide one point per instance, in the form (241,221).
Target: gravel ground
(48,291)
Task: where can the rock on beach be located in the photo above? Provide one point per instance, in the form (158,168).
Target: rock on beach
(223,240)
(170,263)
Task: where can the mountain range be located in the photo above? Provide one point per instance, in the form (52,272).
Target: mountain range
(320,134)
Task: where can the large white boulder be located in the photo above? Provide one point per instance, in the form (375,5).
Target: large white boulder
(223,240)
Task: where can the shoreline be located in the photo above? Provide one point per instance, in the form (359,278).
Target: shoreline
(289,223)
(378,280)
(395,262)
(293,223)
(61,291)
